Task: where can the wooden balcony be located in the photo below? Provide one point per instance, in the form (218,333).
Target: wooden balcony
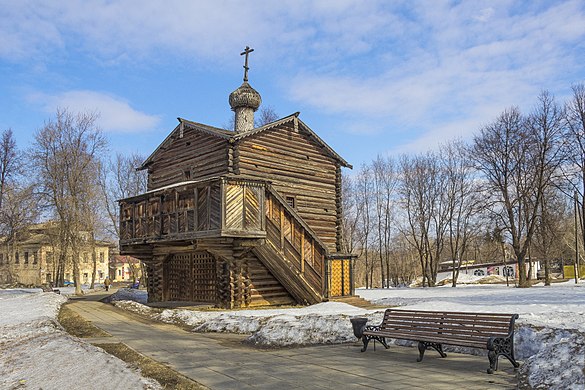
(218,207)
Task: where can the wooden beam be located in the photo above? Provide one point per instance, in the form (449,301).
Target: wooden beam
(302,252)
(281,227)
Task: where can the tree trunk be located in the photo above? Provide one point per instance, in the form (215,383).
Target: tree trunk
(522,281)
(547,272)
(94,269)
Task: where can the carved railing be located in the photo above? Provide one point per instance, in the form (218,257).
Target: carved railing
(293,252)
(219,207)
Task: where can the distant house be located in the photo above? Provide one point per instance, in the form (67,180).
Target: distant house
(31,260)
(124,268)
(508,268)
(240,218)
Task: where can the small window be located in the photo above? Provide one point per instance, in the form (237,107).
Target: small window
(187,174)
(479,272)
(1,258)
(25,257)
(101,257)
(35,258)
(16,258)
(291,201)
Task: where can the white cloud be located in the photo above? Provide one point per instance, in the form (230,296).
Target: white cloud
(115,114)
(452,65)
(462,75)
(484,14)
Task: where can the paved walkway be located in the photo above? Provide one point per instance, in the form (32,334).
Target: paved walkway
(221,361)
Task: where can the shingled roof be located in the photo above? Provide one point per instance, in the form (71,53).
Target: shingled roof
(232,136)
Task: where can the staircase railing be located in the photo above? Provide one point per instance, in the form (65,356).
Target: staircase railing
(302,253)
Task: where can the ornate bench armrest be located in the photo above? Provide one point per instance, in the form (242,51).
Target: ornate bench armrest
(373,328)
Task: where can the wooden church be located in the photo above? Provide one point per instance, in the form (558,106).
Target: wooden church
(240,218)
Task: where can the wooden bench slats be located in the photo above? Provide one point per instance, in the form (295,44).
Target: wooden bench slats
(434,328)
(431,336)
(434,339)
(504,319)
(429,331)
(447,328)
(448,313)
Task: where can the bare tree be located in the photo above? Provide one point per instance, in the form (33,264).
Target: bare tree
(384,185)
(462,202)
(265,115)
(364,190)
(520,158)
(9,161)
(575,149)
(65,152)
(120,179)
(19,210)
(550,228)
(351,214)
(422,190)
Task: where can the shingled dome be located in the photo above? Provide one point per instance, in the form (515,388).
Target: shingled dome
(245,96)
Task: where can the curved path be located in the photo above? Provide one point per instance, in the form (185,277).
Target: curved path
(221,361)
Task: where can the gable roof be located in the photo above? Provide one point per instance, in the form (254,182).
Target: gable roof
(232,136)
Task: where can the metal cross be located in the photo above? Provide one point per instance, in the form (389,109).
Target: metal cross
(246,51)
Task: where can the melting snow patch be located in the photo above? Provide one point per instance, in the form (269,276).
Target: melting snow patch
(31,338)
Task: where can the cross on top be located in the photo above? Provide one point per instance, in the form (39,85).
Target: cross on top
(246,51)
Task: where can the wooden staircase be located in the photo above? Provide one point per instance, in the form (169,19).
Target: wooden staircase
(292,252)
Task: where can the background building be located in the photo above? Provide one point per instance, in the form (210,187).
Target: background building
(31,260)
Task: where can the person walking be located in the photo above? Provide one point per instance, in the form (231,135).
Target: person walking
(107,283)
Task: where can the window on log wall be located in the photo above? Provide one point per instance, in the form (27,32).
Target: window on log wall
(291,201)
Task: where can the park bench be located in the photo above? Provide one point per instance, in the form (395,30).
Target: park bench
(432,329)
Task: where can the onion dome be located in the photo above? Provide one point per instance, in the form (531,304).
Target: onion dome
(245,96)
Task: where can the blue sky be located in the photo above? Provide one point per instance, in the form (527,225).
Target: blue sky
(370,77)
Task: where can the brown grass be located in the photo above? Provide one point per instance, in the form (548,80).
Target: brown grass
(78,326)
(167,377)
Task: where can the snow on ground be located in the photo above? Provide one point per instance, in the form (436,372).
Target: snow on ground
(549,338)
(36,353)
(550,335)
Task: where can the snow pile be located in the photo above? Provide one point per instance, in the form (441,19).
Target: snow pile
(324,323)
(492,279)
(470,279)
(31,338)
(554,358)
(128,294)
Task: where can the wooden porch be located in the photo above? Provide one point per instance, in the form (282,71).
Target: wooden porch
(218,207)
(247,229)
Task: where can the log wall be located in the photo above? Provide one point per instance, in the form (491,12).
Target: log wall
(201,155)
(297,168)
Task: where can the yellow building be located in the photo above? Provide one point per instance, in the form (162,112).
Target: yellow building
(32,260)
(125,269)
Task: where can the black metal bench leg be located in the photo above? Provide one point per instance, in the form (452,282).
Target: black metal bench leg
(423,346)
(493,358)
(500,346)
(366,340)
(421,351)
(382,341)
